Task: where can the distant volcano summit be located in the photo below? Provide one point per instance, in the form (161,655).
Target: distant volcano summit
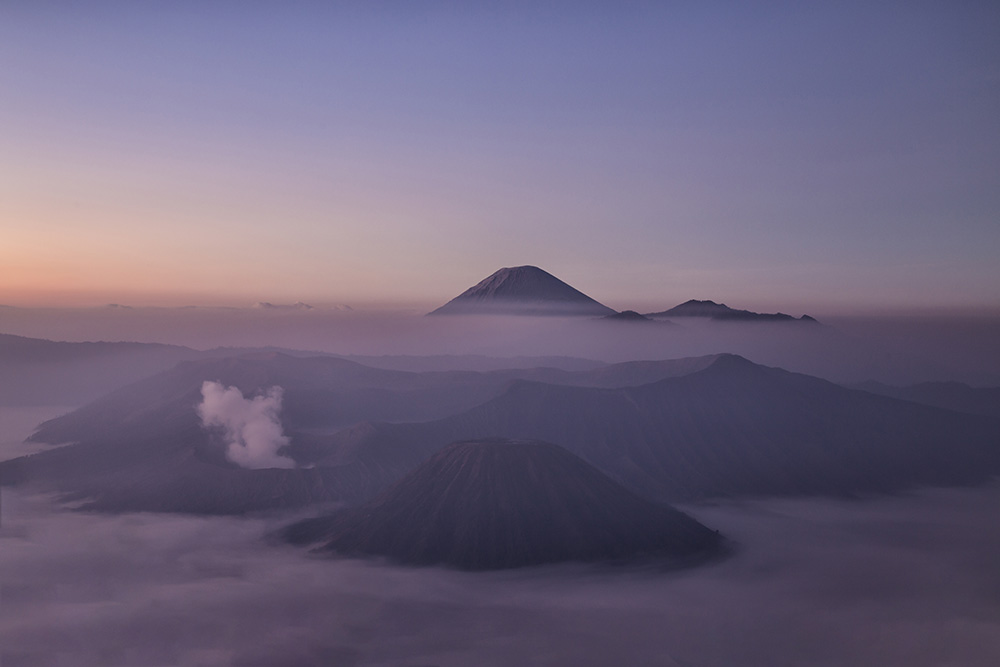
(523,290)
(720,311)
(497,504)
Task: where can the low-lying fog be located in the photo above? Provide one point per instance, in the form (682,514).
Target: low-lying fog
(896,350)
(17,423)
(907,580)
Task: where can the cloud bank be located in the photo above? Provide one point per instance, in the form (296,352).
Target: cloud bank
(251,427)
(908,580)
(895,350)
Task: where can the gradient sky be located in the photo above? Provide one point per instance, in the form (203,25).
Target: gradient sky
(796,156)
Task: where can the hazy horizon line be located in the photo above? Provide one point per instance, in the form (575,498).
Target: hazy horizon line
(419,307)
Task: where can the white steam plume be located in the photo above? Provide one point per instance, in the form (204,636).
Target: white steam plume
(251,426)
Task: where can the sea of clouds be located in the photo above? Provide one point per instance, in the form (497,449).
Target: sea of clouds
(909,580)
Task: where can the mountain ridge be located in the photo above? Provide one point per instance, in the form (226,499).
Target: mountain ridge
(720,311)
(688,430)
(732,429)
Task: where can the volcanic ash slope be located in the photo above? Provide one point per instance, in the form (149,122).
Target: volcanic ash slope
(497,504)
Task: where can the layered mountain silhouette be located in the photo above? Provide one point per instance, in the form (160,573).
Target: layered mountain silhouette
(143,448)
(496,504)
(523,290)
(319,393)
(325,393)
(35,371)
(716,426)
(720,311)
(731,429)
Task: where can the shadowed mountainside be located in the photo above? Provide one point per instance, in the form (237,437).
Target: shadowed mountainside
(143,448)
(948,395)
(734,428)
(325,393)
(678,430)
(503,504)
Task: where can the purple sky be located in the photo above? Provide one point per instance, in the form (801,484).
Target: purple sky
(794,156)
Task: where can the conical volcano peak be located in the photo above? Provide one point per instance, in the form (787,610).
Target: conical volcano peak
(496,504)
(523,290)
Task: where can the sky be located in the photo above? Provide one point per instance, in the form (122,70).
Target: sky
(780,156)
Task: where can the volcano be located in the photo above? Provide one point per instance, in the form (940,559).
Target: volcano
(720,311)
(499,504)
(523,290)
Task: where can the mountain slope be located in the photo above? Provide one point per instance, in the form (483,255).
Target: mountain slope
(678,430)
(734,428)
(522,290)
(35,371)
(504,504)
(325,393)
(143,447)
(948,395)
